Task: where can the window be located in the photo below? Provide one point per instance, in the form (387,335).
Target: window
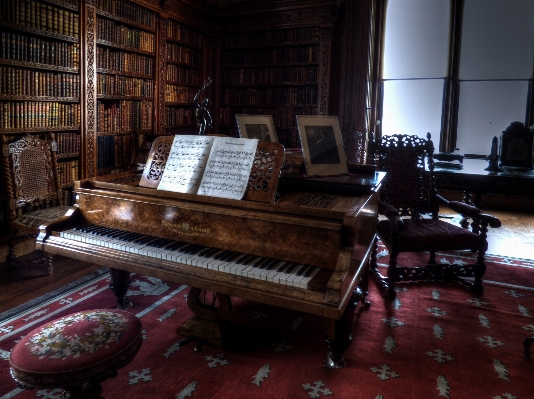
(480,83)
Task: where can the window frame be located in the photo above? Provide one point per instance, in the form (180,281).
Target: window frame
(451,85)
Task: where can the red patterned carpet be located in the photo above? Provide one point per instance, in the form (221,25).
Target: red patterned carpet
(433,341)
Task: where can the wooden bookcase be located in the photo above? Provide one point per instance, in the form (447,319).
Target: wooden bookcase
(40,78)
(120,48)
(275,63)
(183,77)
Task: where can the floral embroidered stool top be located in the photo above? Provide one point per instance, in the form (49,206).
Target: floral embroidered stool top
(81,348)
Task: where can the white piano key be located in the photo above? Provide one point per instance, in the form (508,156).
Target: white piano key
(275,272)
(294,274)
(306,280)
(282,278)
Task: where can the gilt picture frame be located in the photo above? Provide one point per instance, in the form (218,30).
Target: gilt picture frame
(259,127)
(322,145)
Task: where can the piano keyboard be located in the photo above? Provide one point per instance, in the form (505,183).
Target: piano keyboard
(256,267)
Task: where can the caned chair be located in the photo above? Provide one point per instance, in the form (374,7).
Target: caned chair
(33,193)
(409,205)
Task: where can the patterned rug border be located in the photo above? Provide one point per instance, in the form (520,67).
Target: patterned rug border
(37,302)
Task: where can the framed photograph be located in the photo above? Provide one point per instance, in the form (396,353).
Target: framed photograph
(259,127)
(322,145)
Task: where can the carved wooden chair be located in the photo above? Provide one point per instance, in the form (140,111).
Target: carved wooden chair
(409,203)
(34,196)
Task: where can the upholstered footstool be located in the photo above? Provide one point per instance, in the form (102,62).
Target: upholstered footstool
(77,352)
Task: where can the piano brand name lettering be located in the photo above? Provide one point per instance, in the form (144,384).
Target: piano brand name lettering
(186,228)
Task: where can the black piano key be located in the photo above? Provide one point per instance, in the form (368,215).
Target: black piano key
(302,270)
(228,256)
(246,260)
(291,267)
(210,252)
(271,264)
(309,271)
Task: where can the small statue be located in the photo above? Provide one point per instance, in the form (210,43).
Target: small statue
(493,157)
(202,114)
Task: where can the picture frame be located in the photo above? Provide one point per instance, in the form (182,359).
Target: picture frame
(322,145)
(259,127)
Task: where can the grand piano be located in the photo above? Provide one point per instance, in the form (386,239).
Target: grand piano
(303,250)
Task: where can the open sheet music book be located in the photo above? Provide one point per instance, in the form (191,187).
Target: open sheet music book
(209,165)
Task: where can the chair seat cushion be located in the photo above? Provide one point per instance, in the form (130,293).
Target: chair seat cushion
(426,234)
(34,219)
(77,348)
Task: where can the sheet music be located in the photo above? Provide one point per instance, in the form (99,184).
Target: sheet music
(185,166)
(228,168)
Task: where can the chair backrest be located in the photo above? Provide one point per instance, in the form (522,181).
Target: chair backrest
(409,184)
(30,171)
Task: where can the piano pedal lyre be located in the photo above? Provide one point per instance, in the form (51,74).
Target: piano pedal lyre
(210,323)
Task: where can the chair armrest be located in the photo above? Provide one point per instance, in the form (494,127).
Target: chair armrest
(460,207)
(392,214)
(491,220)
(471,211)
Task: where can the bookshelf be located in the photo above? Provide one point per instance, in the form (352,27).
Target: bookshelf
(120,44)
(279,72)
(40,79)
(183,76)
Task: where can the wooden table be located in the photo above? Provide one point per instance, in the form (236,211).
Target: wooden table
(475,181)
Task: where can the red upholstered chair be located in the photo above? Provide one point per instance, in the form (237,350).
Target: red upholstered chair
(409,203)
(77,352)
(33,193)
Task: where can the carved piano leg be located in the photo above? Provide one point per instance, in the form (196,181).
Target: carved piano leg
(210,323)
(339,336)
(120,281)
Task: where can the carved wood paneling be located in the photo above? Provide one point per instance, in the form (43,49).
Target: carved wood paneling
(324,69)
(161,76)
(90,93)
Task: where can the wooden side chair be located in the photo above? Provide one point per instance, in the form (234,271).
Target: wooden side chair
(409,203)
(34,196)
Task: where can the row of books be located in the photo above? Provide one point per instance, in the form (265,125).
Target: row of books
(286,55)
(114,151)
(271,96)
(178,94)
(20,47)
(177,73)
(121,34)
(292,35)
(178,116)
(125,62)
(128,10)
(41,16)
(177,31)
(38,114)
(67,172)
(68,143)
(25,82)
(183,54)
(123,116)
(283,117)
(116,85)
(296,74)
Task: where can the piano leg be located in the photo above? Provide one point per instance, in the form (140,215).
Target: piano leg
(120,281)
(339,337)
(209,323)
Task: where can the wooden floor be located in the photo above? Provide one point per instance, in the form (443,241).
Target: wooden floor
(18,285)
